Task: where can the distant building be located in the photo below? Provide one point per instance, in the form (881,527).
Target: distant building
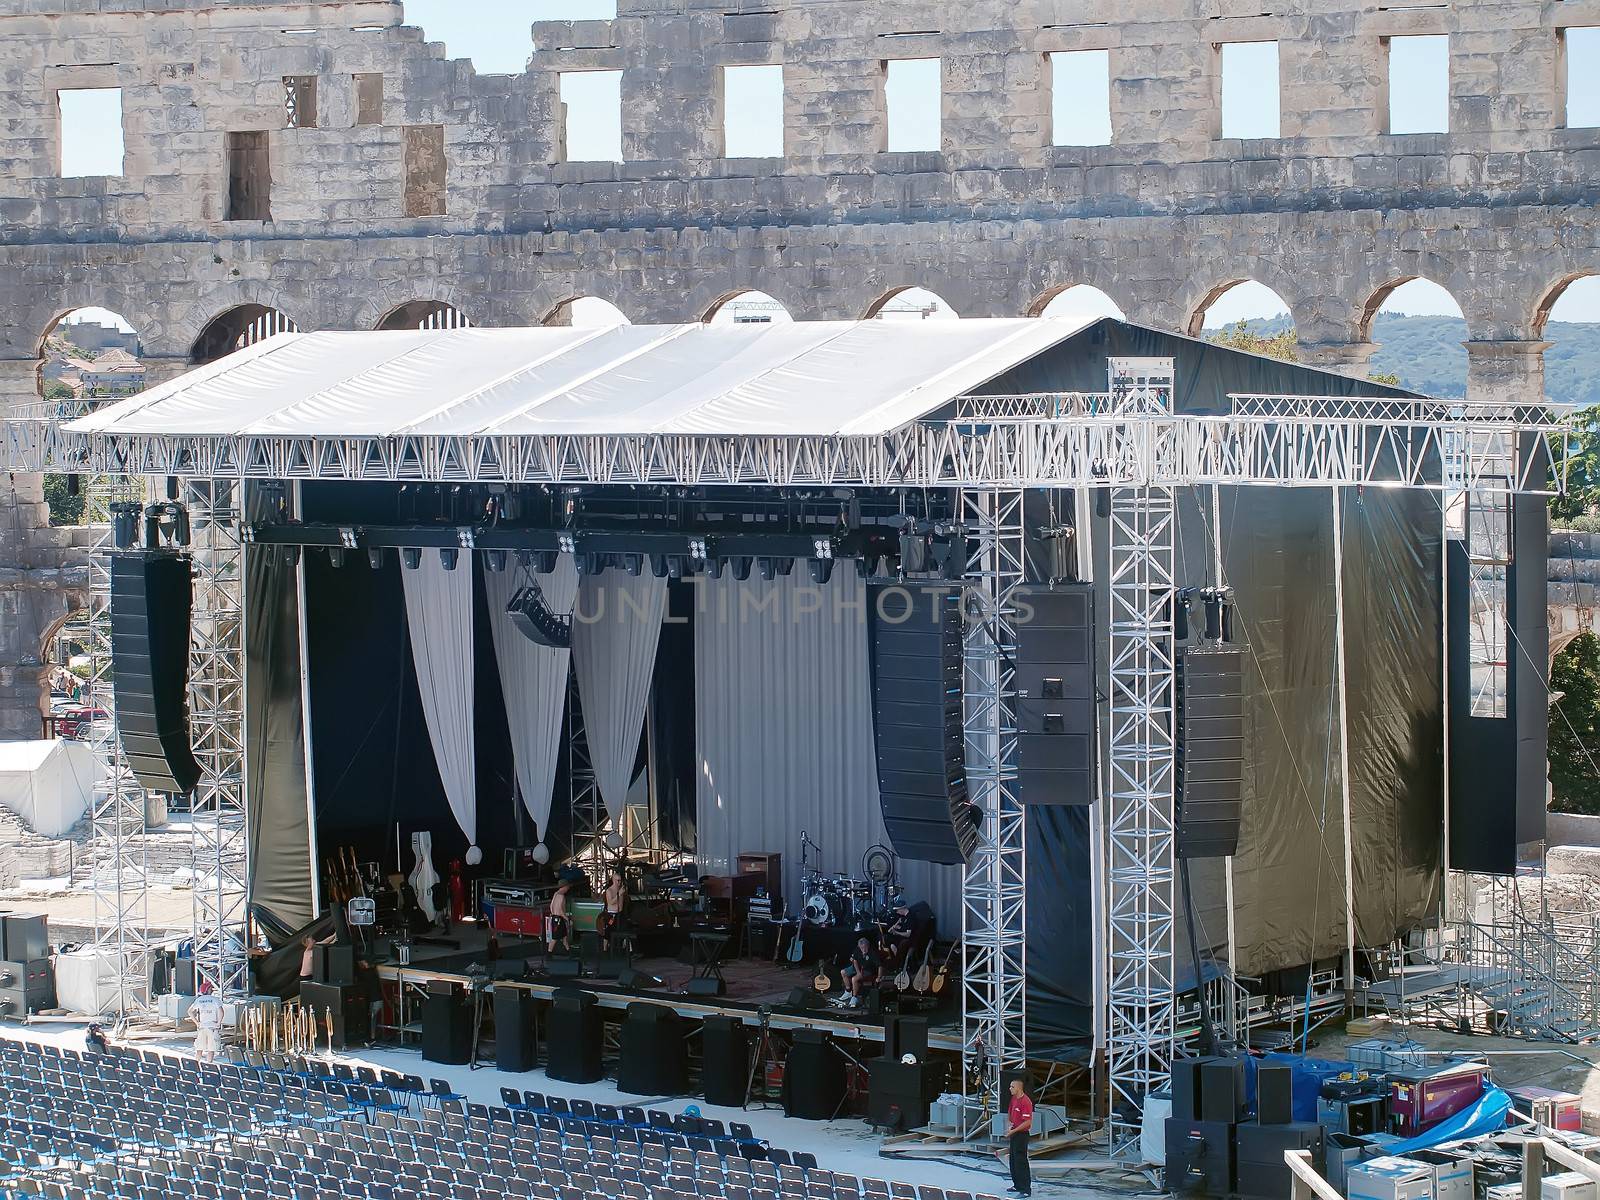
(94,338)
(114,373)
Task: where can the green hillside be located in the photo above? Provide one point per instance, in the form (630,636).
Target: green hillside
(1427,354)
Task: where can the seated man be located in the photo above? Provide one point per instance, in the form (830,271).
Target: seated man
(861,973)
(909,934)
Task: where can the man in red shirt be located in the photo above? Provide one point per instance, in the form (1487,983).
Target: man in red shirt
(1019,1123)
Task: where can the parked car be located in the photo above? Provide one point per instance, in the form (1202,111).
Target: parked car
(74,722)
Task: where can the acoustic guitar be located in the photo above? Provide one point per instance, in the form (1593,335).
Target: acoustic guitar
(822,983)
(943,976)
(920,983)
(902,980)
(797,949)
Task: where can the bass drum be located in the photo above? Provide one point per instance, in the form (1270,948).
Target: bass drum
(824,908)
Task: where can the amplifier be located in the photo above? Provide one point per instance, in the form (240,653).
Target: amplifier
(510,893)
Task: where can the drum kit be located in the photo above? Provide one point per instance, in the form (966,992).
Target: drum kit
(841,901)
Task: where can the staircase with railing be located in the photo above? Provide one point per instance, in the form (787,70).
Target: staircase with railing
(1535,979)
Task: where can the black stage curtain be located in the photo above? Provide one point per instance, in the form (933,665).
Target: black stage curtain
(672,718)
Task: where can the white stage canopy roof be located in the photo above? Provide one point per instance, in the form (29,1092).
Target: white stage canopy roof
(819,378)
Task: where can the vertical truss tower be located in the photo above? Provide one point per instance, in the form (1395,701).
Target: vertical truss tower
(1142,768)
(216,720)
(994,903)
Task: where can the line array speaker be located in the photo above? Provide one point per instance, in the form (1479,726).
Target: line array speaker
(652,1062)
(1210,755)
(151,595)
(916,640)
(1055,695)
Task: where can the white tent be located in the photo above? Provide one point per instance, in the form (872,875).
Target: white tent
(48,784)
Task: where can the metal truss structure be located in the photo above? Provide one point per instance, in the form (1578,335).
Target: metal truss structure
(1080,441)
(216,728)
(588,807)
(994,901)
(117,816)
(1140,797)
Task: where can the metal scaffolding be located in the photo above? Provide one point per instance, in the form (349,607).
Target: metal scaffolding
(117,816)
(994,901)
(216,728)
(1139,823)
(588,807)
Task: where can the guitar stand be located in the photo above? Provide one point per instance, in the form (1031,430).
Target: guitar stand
(759,1057)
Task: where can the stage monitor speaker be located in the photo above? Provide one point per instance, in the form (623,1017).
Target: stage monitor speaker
(1186,1088)
(26,936)
(802,998)
(1055,694)
(352,1019)
(1274,1095)
(1222,1092)
(652,1061)
(905,1035)
(899,1094)
(516,1039)
(1210,751)
(446,1027)
(183,977)
(572,1044)
(705,986)
(813,1080)
(560,967)
(725,1061)
(334,964)
(916,659)
(151,595)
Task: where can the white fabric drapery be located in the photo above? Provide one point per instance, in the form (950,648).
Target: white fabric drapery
(615,630)
(439,617)
(533,679)
(783,724)
(423,876)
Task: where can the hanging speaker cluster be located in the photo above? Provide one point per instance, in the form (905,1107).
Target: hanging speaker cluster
(1210,751)
(535,620)
(151,598)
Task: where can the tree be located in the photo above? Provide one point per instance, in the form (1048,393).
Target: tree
(1240,336)
(56,390)
(65,509)
(1575,727)
(1583,468)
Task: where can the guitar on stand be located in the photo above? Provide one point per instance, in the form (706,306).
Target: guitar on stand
(943,976)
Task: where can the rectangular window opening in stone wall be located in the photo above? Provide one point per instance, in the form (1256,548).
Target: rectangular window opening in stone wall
(752,112)
(424,171)
(592,116)
(300,101)
(1580,55)
(1080,98)
(91,131)
(369,98)
(249,176)
(1249,106)
(1419,83)
(913,98)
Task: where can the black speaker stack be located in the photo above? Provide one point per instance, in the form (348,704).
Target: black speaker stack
(27,979)
(151,596)
(652,1060)
(346,1005)
(1212,1149)
(1055,694)
(724,1061)
(1210,751)
(813,1079)
(916,643)
(899,1094)
(516,1039)
(572,1054)
(447,1024)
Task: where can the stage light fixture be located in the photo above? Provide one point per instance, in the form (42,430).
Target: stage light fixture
(494,560)
(375,557)
(821,570)
(544,561)
(411,556)
(448,556)
(336,555)
(1211,601)
(822,547)
(697,549)
(568,543)
(467,537)
(125,524)
(349,537)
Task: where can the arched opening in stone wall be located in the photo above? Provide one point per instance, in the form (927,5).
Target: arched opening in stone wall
(1569,319)
(1419,330)
(1081,302)
(748,308)
(586,312)
(426,314)
(911,304)
(64,650)
(241,326)
(1246,313)
(90,354)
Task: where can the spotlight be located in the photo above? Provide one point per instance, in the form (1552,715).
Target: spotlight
(467,537)
(568,543)
(1211,600)
(822,547)
(544,561)
(697,549)
(741,566)
(495,560)
(125,524)
(349,538)
(375,557)
(448,556)
(821,570)
(336,555)
(412,557)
